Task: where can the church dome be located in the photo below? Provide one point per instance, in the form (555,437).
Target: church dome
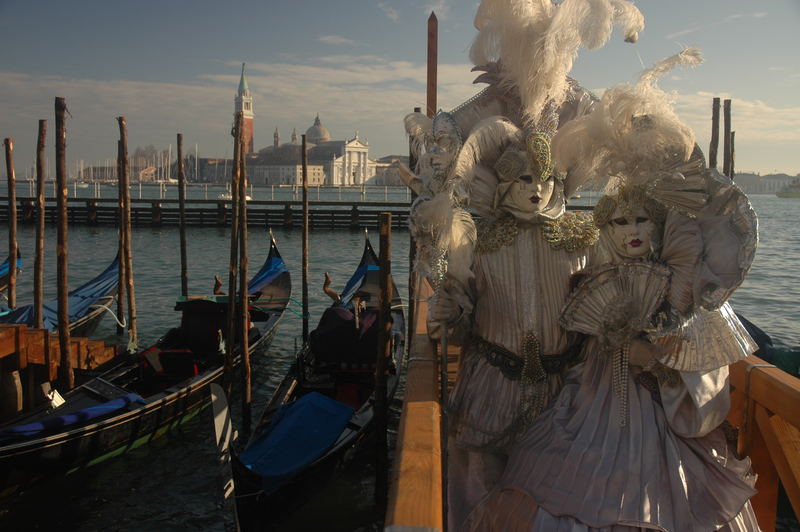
(317,133)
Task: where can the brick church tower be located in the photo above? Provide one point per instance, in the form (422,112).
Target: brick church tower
(244,104)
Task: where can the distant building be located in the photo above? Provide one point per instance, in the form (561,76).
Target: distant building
(762,184)
(329,162)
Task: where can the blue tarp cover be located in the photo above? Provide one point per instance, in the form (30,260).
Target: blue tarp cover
(298,434)
(80,300)
(67,420)
(4,269)
(269,271)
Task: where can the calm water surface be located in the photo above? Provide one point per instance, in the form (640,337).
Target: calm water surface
(172,484)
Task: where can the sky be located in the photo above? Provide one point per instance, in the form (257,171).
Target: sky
(173,67)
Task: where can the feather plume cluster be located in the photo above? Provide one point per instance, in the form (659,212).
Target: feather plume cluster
(632,132)
(538,41)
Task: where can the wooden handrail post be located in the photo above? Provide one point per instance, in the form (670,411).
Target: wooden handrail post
(38,261)
(382,360)
(66,375)
(13,249)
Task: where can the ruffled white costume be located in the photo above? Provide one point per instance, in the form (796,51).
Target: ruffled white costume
(636,448)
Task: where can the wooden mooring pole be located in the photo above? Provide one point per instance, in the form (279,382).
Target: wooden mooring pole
(234,255)
(13,250)
(712,149)
(412,246)
(726,161)
(66,375)
(733,155)
(182,217)
(305,241)
(38,260)
(433,63)
(244,317)
(133,340)
(381,362)
(123,274)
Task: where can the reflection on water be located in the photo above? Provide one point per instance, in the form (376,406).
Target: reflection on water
(172,484)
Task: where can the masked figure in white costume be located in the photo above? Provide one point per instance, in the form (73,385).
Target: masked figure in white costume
(506,314)
(633,440)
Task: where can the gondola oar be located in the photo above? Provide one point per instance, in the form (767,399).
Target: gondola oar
(224,436)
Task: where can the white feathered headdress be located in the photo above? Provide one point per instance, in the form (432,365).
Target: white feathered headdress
(632,132)
(538,40)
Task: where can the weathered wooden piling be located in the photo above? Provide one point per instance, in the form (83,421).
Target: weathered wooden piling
(412,247)
(712,149)
(38,260)
(433,62)
(123,275)
(133,340)
(234,252)
(66,375)
(244,300)
(726,161)
(733,155)
(381,362)
(182,217)
(13,249)
(305,240)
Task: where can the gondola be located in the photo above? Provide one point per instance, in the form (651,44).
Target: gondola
(140,396)
(322,408)
(5,271)
(87,305)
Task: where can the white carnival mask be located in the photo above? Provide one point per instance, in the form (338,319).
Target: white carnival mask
(632,232)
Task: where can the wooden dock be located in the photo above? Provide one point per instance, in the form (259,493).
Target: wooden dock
(763,410)
(215,212)
(29,357)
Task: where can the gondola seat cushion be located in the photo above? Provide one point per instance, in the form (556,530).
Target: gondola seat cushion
(299,433)
(178,363)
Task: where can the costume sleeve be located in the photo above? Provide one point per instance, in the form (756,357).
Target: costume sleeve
(698,403)
(455,300)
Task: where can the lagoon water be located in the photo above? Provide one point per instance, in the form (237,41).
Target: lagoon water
(173,483)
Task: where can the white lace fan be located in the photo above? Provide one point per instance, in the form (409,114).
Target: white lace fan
(616,301)
(708,340)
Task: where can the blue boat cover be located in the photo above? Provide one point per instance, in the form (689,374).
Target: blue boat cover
(4,266)
(80,300)
(299,433)
(268,272)
(67,420)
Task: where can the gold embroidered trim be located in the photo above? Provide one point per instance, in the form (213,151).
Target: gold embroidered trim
(496,234)
(571,231)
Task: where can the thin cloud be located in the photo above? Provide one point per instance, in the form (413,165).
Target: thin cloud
(351,92)
(337,40)
(391,13)
(715,24)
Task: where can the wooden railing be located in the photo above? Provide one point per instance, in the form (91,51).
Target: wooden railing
(415,493)
(765,407)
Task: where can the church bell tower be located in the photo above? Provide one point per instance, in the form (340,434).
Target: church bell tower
(244,104)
